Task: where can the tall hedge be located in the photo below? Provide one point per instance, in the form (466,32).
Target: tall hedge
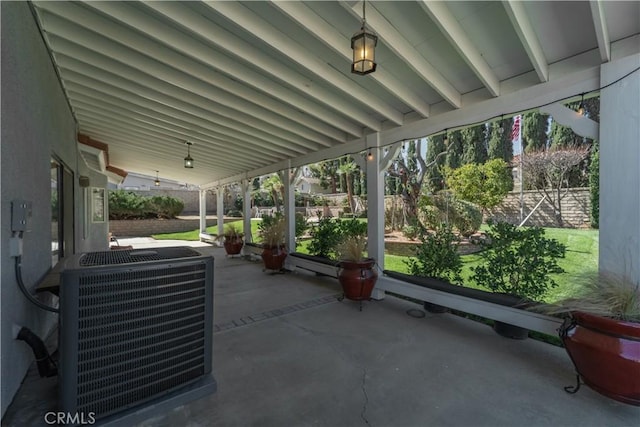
(129,205)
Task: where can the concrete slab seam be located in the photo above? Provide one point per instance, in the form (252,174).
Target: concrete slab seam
(265,315)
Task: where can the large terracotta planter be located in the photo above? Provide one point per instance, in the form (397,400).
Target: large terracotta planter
(606,354)
(273,257)
(233,246)
(358,278)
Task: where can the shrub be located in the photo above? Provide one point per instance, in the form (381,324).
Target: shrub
(437,256)
(467,217)
(328,233)
(163,207)
(443,207)
(411,232)
(301,226)
(325,235)
(519,261)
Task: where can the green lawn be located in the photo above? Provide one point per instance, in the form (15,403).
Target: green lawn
(194,235)
(581,256)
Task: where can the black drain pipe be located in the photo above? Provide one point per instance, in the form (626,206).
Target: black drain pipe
(46,366)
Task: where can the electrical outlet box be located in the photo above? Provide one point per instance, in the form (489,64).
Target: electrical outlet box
(20,215)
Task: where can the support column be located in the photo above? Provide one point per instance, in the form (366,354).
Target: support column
(220,211)
(246,210)
(203,211)
(288,178)
(619,171)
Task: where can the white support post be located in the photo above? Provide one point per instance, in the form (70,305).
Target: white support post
(619,173)
(246,210)
(220,211)
(288,177)
(203,211)
(375,206)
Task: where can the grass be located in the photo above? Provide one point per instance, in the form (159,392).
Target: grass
(581,256)
(194,235)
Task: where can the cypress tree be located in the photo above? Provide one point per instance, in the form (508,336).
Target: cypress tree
(433,176)
(454,154)
(474,146)
(534,133)
(500,145)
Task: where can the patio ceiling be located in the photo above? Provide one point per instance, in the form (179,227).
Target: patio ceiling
(254,84)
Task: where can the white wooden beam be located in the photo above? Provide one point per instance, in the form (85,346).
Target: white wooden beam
(326,33)
(286,138)
(79,97)
(93,32)
(103,87)
(453,31)
(580,124)
(399,45)
(336,112)
(220,211)
(520,21)
(269,34)
(602,32)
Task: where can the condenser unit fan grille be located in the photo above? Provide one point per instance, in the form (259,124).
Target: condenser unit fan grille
(126,256)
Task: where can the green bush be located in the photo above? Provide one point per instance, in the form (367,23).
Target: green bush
(467,217)
(519,261)
(411,232)
(129,205)
(164,207)
(437,256)
(444,207)
(327,234)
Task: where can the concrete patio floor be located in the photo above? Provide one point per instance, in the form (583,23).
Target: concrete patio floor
(287,353)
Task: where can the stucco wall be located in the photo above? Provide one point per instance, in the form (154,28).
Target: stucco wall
(36,124)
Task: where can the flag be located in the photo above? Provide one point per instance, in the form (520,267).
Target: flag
(515,131)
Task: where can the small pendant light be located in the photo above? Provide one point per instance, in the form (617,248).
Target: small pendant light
(364,44)
(188,161)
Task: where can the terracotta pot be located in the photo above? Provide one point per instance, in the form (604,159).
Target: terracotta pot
(606,354)
(358,278)
(233,246)
(273,257)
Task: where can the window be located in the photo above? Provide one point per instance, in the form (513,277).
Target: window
(62,241)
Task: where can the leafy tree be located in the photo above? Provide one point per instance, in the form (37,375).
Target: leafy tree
(474,148)
(274,186)
(548,171)
(485,185)
(348,168)
(534,131)
(327,173)
(410,169)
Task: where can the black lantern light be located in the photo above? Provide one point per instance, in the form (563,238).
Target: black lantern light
(188,161)
(364,44)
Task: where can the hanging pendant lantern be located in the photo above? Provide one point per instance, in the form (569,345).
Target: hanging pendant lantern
(363,44)
(188,161)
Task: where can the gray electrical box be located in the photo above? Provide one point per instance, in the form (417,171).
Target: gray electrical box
(20,215)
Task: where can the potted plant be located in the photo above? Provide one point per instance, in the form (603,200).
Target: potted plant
(356,273)
(232,239)
(601,334)
(272,230)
